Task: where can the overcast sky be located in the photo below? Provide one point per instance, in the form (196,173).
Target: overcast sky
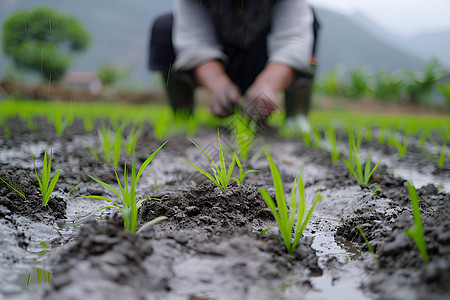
(402,17)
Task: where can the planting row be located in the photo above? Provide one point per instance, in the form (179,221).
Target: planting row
(327,131)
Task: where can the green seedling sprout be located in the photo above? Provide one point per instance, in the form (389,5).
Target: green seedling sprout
(368,246)
(394,142)
(354,163)
(129,144)
(44,248)
(416,231)
(244,131)
(72,189)
(161,127)
(368,134)
(381,139)
(441,159)
(335,149)
(93,152)
(285,217)
(61,123)
(423,139)
(46,186)
(31,124)
(6,130)
(88,123)
(316,137)
(221,175)
(264,230)
(104,135)
(373,193)
(185,122)
(152,198)
(14,189)
(240,180)
(128,204)
(117,147)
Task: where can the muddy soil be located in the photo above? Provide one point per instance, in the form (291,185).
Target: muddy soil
(214,244)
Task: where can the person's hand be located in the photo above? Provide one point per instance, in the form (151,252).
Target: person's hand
(260,101)
(224,93)
(261,97)
(224,98)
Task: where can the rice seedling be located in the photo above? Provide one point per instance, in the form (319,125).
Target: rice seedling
(240,180)
(117,147)
(30,123)
(368,246)
(316,137)
(72,189)
(5,130)
(161,126)
(152,198)
(104,135)
(110,143)
(244,131)
(13,188)
(88,123)
(334,146)
(416,231)
(354,162)
(264,230)
(423,139)
(285,217)
(394,142)
(368,134)
(441,159)
(46,186)
(380,138)
(373,194)
(185,122)
(129,144)
(128,205)
(61,123)
(93,152)
(221,175)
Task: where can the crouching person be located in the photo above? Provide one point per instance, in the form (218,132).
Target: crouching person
(250,48)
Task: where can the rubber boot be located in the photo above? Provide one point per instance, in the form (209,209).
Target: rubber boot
(180,92)
(297,103)
(298,97)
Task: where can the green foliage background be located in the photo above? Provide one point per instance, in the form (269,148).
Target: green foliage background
(43,40)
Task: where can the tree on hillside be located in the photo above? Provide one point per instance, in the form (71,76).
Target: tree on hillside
(43,40)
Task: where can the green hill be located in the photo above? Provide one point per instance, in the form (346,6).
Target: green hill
(343,41)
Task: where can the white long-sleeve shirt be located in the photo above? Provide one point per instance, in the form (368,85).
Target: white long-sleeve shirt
(289,42)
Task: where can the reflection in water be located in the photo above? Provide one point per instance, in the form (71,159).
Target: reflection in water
(42,276)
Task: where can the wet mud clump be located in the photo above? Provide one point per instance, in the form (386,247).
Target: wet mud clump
(12,202)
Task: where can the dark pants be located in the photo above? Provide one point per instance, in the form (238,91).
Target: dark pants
(242,66)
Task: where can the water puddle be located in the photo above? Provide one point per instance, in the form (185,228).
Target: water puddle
(341,281)
(420,179)
(26,278)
